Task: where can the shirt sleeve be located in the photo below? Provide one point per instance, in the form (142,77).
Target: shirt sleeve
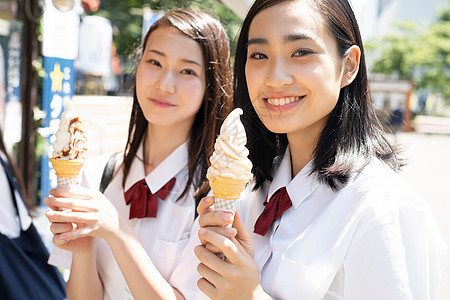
(185,276)
(396,256)
(60,258)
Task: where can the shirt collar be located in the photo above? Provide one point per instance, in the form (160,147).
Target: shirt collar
(166,170)
(298,188)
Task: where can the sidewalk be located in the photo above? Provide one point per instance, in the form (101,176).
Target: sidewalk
(428,158)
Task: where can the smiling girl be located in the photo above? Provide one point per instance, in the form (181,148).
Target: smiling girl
(331,218)
(126,242)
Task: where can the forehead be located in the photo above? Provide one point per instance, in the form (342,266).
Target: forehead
(290,17)
(172,41)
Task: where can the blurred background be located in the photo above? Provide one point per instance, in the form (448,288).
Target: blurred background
(86,50)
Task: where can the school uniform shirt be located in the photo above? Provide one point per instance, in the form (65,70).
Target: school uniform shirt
(9,220)
(163,237)
(373,239)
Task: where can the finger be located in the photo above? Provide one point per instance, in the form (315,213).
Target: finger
(209,274)
(227,246)
(228,232)
(225,231)
(58,241)
(242,232)
(66,216)
(74,191)
(72,204)
(76,234)
(204,206)
(216,218)
(57,228)
(207,288)
(210,260)
(212,248)
(49,203)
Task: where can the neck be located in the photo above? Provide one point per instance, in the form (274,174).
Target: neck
(159,143)
(302,145)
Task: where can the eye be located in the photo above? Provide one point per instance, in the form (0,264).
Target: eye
(257,56)
(302,52)
(188,72)
(154,62)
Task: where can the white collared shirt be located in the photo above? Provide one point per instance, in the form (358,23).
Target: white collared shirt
(163,237)
(9,220)
(375,239)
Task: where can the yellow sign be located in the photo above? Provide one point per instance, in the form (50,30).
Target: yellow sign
(57,77)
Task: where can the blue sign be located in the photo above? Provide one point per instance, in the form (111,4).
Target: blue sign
(59,83)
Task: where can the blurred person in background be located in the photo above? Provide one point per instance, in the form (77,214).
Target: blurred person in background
(24,272)
(127,242)
(396,120)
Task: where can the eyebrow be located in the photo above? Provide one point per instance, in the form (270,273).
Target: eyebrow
(183,59)
(296,37)
(286,39)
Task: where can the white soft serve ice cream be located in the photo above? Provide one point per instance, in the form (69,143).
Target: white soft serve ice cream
(229,159)
(70,143)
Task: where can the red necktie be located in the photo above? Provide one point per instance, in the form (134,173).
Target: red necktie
(278,204)
(144,204)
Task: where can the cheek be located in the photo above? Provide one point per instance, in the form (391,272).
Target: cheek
(144,76)
(193,92)
(252,79)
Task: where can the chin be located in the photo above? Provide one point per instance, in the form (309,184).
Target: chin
(275,128)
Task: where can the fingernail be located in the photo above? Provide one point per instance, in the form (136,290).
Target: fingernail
(63,237)
(202,231)
(208,200)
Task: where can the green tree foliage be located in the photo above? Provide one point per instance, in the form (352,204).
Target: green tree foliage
(420,55)
(126,17)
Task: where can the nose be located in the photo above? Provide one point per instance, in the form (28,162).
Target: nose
(166,82)
(279,74)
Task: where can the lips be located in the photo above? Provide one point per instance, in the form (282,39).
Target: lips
(282,103)
(161,103)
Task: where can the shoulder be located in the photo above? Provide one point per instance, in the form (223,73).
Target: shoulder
(92,170)
(381,195)
(378,179)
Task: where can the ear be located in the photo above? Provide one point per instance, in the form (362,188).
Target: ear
(351,65)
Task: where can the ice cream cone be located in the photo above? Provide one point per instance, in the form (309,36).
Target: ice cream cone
(67,170)
(226,188)
(226,191)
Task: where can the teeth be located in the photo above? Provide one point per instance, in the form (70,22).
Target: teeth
(282,101)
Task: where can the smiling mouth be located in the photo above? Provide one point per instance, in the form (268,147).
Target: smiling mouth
(283,100)
(161,103)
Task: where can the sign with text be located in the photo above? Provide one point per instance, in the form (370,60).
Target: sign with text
(59,83)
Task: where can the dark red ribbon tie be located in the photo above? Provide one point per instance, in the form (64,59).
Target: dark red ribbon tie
(278,204)
(144,204)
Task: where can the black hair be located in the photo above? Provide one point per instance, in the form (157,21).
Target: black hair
(352,136)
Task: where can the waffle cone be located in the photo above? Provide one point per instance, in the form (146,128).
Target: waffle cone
(226,188)
(67,168)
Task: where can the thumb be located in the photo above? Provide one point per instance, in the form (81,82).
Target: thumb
(243,236)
